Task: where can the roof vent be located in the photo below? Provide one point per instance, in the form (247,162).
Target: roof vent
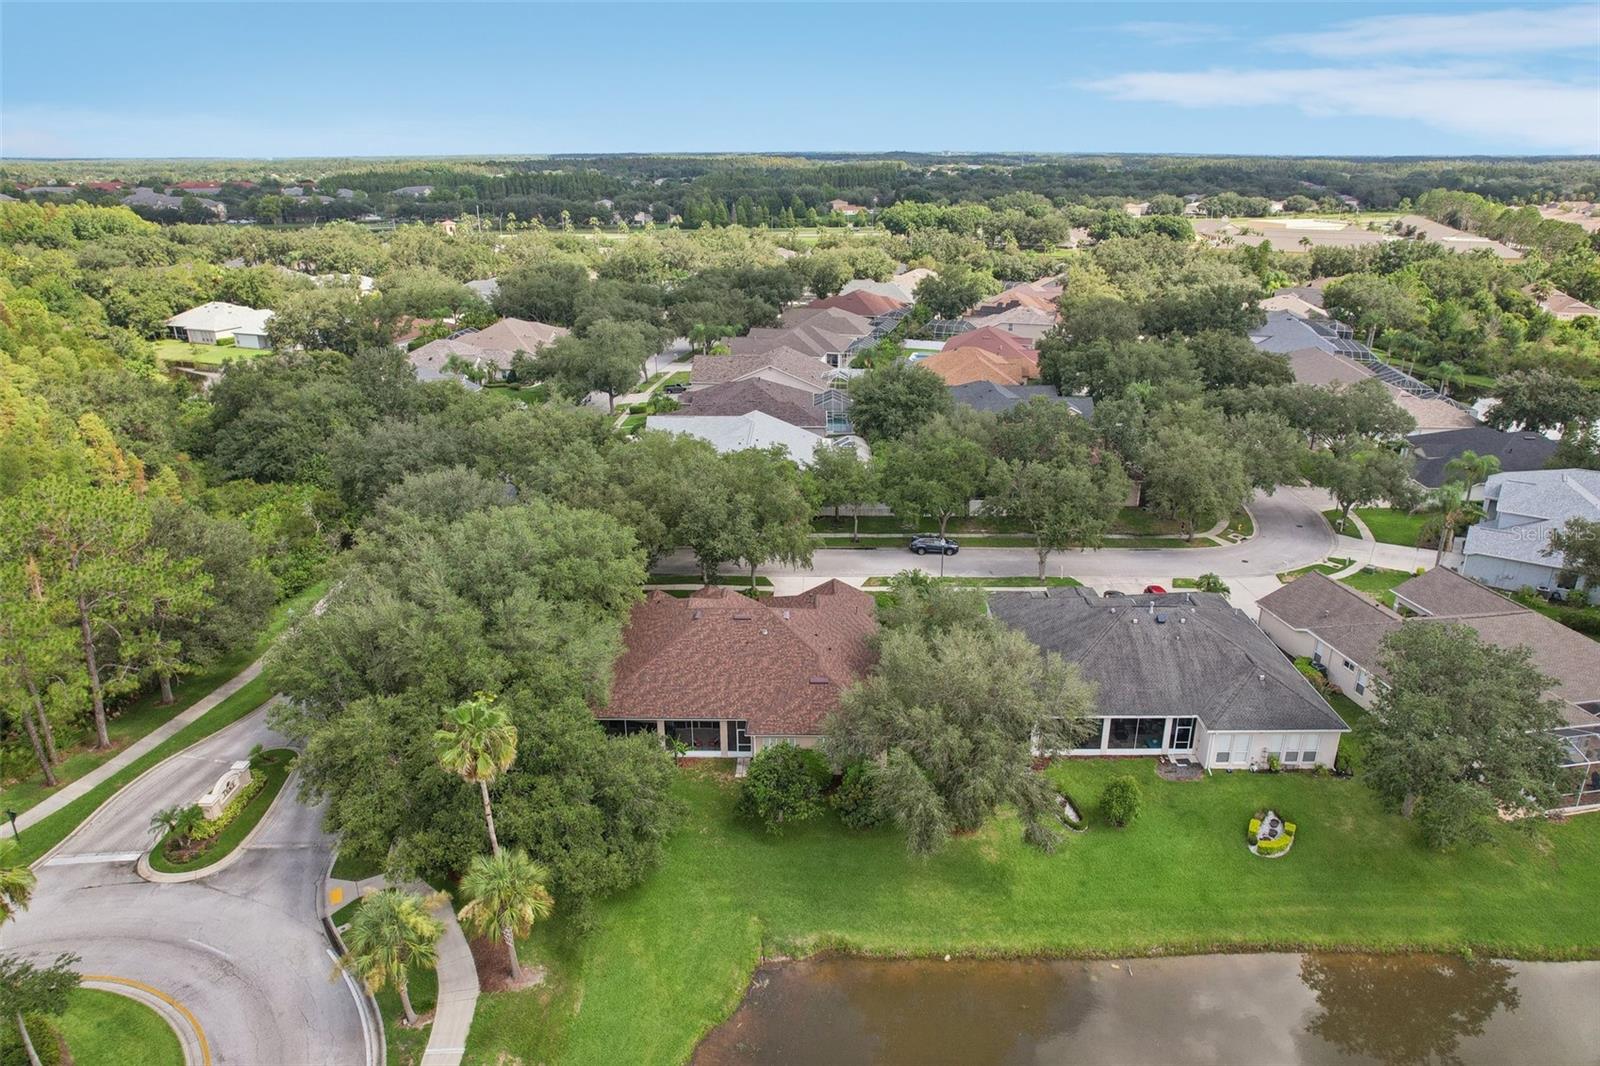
(820,679)
(786,614)
(1161,619)
(695,616)
(1181,619)
(742,616)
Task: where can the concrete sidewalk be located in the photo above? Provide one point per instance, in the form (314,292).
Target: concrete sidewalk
(89,781)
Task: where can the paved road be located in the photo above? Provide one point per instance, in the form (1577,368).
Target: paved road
(242,949)
(1290,533)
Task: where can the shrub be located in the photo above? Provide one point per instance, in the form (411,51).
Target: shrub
(1341,762)
(854,798)
(1255,827)
(1211,583)
(1272,847)
(1274,763)
(46,1036)
(1121,800)
(784,785)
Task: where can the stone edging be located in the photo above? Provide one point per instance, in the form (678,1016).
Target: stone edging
(185,1026)
(154,876)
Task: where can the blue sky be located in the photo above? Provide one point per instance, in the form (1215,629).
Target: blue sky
(221,79)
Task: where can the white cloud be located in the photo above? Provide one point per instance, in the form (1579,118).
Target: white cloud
(1511,31)
(1498,110)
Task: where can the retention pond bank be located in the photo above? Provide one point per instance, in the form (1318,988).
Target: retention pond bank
(1240,1009)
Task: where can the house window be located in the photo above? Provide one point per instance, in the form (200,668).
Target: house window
(627,727)
(1308,749)
(1137,734)
(1182,734)
(1221,749)
(1361,682)
(1291,751)
(739,736)
(1316,654)
(698,734)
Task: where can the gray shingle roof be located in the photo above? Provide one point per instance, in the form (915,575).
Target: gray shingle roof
(1516,451)
(1529,505)
(1206,659)
(990,396)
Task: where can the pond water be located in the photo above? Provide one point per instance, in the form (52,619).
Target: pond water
(1399,1010)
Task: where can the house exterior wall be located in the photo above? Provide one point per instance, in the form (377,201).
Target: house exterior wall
(1251,750)
(1345,674)
(194,336)
(1509,574)
(250,340)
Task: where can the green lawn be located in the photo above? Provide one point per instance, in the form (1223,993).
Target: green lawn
(275,765)
(203,355)
(1329,567)
(1379,583)
(1388,525)
(669,959)
(137,718)
(106,1029)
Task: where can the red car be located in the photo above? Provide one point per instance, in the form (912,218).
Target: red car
(1155,590)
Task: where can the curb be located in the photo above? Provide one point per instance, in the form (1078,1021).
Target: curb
(157,877)
(64,841)
(191,1035)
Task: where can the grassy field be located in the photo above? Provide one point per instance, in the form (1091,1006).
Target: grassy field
(107,1029)
(1388,525)
(275,764)
(140,716)
(669,959)
(203,355)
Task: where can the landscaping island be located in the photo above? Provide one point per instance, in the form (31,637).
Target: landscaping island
(645,986)
(178,852)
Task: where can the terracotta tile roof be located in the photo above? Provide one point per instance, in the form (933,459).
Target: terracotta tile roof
(991,339)
(960,366)
(870,304)
(780,664)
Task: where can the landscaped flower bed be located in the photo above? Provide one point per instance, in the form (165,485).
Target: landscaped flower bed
(185,848)
(1269,834)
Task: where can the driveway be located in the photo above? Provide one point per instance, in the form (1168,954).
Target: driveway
(242,949)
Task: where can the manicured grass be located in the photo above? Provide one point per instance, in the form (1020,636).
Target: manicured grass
(994,582)
(206,355)
(405,1046)
(1388,525)
(1379,584)
(274,765)
(1240,525)
(679,377)
(631,424)
(133,720)
(106,1029)
(349,866)
(669,959)
(1327,566)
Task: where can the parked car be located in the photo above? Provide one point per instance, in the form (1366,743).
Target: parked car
(937,545)
(674,390)
(1155,590)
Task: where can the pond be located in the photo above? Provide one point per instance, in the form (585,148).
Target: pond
(1399,1010)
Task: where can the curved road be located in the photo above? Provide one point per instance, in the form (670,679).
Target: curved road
(243,949)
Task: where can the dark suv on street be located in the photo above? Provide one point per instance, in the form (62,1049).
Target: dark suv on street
(937,545)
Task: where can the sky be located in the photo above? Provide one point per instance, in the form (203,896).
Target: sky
(363,79)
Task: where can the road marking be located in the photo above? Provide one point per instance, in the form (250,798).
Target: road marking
(87,858)
(208,947)
(188,1015)
(361,1005)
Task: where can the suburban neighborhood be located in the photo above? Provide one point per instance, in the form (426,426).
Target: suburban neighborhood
(476,593)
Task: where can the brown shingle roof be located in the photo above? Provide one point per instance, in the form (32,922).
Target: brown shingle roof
(514,335)
(961,366)
(870,304)
(714,369)
(782,402)
(991,339)
(719,654)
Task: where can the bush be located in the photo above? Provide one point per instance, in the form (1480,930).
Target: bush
(1341,762)
(46,1036)
(1211,583)
(1274,763)
(854,798)
(1272,847)
(784,785)
(1121,800)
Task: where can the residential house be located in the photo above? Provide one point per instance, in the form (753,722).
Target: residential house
(1517,452)
(989,396)
(157,201)
(961,366)
(869,305)
(845,207)
(486,289)
(901,288)
(726,676)
(414,192)
(826,333)
(1343,631)
(1506,548)
(516,335)
(643,218)
(1564,307)
(797,407)
(49,190)
(1029,309)
(1320,351)
(1184,675)
(754,429)
(196,188)
(781,365)
(211,322)
(438,360)
(996,341)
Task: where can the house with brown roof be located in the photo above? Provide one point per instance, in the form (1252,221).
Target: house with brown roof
(845,207)
(962,366)
(861,302)
(1021,317)
(516,335)
(993,339)
(797,407)
(782,366)
(726,676)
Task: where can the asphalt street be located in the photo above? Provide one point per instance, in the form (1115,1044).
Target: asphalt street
(242,949)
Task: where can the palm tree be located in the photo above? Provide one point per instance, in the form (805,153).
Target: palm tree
(165,821)
(506,894)
(392,932)
(16,881)
(1472,468)
(1451,507)
(478,744)
(1449,374)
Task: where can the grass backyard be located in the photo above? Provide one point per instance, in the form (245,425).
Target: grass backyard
(204,355)
(668,960)
(106,1029)
(137,718)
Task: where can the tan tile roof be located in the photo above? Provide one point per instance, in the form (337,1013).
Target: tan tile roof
(960,366)
(515,334)
(780,664)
